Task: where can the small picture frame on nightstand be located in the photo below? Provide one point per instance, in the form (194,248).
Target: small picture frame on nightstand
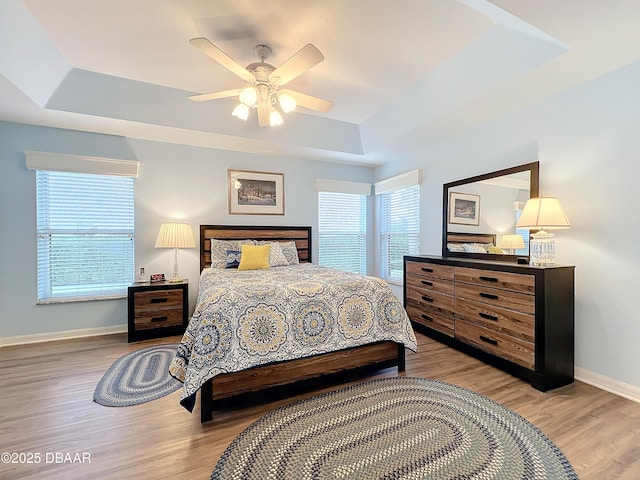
(156,277)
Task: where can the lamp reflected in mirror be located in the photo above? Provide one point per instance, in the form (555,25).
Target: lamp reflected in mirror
(511,243)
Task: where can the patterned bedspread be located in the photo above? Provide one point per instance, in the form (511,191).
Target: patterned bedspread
(248,318)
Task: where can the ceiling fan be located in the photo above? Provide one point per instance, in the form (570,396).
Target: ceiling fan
(263,83)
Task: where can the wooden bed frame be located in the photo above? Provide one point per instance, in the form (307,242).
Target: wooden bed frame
(290,375)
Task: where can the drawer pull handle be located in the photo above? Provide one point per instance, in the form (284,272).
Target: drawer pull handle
(488,317)
(429,270)
(427,318)
(159,300)
(490,296)
(427,299)
(159,319)
(488,340)
(428,284)
(488,279)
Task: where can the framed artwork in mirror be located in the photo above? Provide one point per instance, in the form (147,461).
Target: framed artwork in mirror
(464,208)
(255,193)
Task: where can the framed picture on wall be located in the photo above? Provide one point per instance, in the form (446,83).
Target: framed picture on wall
(464,208)
(255,193)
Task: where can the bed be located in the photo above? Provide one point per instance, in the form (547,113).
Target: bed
(285,326)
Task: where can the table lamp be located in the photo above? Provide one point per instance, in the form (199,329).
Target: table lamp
(175,235)
(543,213)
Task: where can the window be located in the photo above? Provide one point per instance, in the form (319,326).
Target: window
(85,226)
(342,225)
(399,215)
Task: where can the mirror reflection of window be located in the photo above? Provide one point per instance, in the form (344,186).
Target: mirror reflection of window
(523,232)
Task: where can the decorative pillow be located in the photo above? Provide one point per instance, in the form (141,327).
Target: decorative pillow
(276,257)
(474,248)
(233,258)
(219,250)
(254,257)
(494,249)
(290,252)
(455,247)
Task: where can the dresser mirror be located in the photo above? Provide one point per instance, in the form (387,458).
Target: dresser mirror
(479,212)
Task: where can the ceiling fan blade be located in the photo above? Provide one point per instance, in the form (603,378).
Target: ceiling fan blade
(214,95)
(298,63)
(209,49)
(308,101)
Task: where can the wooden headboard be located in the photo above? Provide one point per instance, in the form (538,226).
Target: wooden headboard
(471,238)
(301,235)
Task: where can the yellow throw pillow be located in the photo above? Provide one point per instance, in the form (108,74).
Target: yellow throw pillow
(255,257)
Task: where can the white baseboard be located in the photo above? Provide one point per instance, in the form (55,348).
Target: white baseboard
(64,335)
(617,387)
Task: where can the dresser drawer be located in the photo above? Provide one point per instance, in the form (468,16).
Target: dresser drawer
(428,285)
(510,322)
(431,318)
(431,300)
(157,300)
(502,280)
(511,300)
(430,270)
(505,346)
(158,319)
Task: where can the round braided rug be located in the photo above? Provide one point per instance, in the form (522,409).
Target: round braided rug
(392,428)
(138,377)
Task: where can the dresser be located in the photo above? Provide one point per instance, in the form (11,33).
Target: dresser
(518,318)
(157,309)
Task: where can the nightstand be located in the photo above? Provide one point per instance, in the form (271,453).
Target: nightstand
(157,309)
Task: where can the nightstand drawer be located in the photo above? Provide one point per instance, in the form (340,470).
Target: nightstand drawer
(158,319)
(157,299)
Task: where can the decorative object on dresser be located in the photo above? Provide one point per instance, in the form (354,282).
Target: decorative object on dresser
(157,309)
(516,317)
(544,212)
(175,235)
(393,428)
(256,193)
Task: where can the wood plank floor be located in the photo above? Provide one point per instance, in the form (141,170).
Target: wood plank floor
(46,406)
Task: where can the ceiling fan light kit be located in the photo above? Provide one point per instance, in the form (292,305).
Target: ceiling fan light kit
(263,83)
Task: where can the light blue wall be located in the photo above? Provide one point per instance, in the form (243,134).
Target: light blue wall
(176,182)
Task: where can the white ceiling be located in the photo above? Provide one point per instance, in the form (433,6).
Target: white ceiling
(397,70)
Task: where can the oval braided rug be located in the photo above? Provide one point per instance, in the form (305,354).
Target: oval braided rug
(393,428)
(138,377)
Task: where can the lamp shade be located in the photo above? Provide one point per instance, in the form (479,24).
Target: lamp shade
(544,212)
(175,235)
(511,242)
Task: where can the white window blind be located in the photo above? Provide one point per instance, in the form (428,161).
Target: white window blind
(342,226)
(399,212)
(85,226)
